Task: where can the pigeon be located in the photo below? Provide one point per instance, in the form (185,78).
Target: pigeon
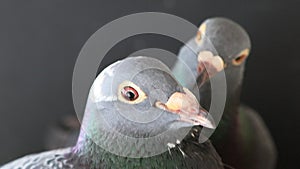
(63,133)
(132,101)
(242,138)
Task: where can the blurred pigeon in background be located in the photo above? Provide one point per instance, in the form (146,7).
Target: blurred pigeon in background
(141,87)
(242,139)
(63,133)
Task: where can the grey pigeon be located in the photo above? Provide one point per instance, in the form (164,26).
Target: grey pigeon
(133,99)
(242,138)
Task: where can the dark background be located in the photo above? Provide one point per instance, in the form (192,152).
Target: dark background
(40,41)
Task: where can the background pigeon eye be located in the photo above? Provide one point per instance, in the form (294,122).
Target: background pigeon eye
(241,57)
(198,37)
(129,93)
(239,60)
(200,33)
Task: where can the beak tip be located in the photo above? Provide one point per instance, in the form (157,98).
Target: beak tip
(210,125)
(207,120)
(210,122)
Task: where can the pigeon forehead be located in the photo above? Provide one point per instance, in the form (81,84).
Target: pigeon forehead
(152,79)
(228,38)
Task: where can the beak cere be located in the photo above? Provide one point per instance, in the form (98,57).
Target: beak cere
(208,65)
(187,107)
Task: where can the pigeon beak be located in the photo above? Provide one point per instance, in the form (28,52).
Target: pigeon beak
(208,66)
(188,108)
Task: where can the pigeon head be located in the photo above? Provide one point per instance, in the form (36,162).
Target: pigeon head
(220,44)
(228,38)
(138,97)
(231,45)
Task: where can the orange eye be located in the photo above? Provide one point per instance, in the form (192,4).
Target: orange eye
(241,58)
(198,37)
(129,93)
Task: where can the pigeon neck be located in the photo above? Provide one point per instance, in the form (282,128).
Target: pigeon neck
(93,156)
(227,126)
(90,132)
(234,78)
(232,102)
(86,147)
(98,138)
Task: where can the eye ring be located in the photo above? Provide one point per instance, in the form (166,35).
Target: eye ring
(239,60)
(241,57)
(198,37)
(129,93)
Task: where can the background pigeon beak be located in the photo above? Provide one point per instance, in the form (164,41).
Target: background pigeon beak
(188,108)
(208,66)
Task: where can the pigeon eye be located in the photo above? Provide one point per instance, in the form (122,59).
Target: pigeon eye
(198,37)
(241,57)
(200,33)
(129,93)
(239,60)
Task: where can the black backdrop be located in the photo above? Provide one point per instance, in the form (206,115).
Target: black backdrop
(40,41)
